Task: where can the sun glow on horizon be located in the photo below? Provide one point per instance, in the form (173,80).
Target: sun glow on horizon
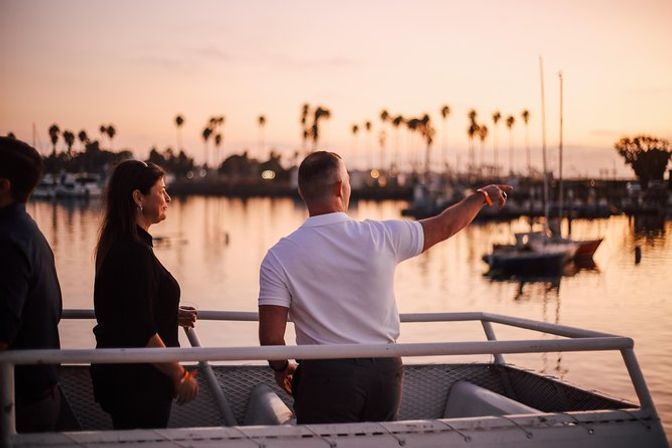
(82,64)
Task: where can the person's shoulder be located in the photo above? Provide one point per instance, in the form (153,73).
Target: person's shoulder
(388,225)
(132,250)
(19,231)
(280,247)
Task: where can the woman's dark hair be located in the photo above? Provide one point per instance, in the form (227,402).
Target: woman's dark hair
(22,165)
(119,220)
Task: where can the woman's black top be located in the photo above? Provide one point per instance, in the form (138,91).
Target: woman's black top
(135,297)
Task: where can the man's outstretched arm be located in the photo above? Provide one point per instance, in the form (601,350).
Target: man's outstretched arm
(453,219)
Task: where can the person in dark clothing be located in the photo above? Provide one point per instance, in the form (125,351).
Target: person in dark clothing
(30,295)
(136,303)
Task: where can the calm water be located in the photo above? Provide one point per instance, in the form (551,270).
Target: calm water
(214,246)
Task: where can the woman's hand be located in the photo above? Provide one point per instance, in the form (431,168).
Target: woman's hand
(186,316)
(186,388)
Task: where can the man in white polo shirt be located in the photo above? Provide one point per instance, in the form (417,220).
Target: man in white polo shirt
(335,276)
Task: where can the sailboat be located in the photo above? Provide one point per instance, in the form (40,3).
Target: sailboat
(585,248)
(535,251)
(543,250)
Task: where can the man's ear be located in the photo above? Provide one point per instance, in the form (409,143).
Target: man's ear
(338,188)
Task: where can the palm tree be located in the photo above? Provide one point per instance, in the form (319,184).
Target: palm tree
(304,125)
(179,121)
(369,154)
(207,132)
(496,116)
(412,125)
(355,130)
(396,122)
(525,115)
(54,132)
(510,120)
(382,139)
(214,123)
(218,141)
(482,135)
(427,131)
(69,139)
(111,132)
(472,130)
(445,111)
(102,129)
(306,136)
(83,138)
(472,114)
(319,114)
(384,118)
(261,121)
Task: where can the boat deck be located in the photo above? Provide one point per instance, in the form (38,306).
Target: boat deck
(425,393)
(474,405)
(588,418)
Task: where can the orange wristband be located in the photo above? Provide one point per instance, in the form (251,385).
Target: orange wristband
(486,196)
(187,376)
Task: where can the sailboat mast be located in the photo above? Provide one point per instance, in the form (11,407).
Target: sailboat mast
(561,192)
(543,142)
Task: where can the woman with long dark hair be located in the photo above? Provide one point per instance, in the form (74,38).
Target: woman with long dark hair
(136,302)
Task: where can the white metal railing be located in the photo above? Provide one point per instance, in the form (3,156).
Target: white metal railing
(578,340)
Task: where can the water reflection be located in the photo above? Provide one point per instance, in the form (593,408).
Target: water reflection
(546,289)
(649,227)
(214,246)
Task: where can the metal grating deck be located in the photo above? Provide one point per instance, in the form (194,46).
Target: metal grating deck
(425,392)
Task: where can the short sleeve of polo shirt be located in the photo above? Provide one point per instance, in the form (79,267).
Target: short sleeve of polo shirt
(407,238)
(272,284)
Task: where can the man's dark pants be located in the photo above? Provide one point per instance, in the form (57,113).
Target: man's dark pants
(347,390)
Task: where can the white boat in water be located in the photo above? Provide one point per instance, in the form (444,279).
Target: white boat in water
(489,404)
(46,189)
(533,252)
(81,185)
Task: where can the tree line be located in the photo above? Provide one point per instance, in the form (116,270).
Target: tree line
(648,156)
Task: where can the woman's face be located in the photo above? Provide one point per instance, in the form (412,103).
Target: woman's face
(155,203)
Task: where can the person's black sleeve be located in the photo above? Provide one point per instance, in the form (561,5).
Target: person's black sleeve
(14,281)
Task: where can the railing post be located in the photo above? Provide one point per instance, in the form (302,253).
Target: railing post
(8,418)
(645,400)
(490,334)
(211,379)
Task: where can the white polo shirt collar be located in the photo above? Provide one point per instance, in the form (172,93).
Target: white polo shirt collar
(326,219)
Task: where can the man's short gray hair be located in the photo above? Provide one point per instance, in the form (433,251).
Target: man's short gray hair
(317,174)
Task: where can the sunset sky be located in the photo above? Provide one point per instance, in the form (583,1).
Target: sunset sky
(137,64)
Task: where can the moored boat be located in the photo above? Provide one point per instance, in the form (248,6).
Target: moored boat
(532,253)
(584,248)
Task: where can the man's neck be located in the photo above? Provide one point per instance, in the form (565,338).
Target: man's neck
(323,209)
